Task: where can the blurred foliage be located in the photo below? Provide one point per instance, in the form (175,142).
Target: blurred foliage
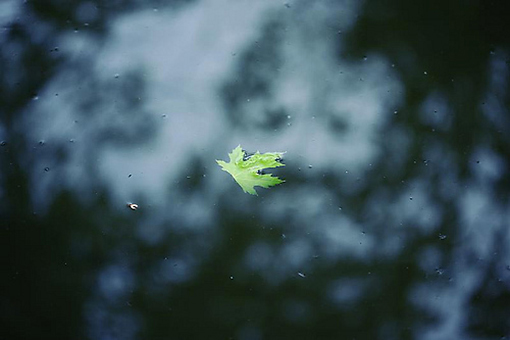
(52,269)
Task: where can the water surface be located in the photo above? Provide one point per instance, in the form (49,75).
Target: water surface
(393,221)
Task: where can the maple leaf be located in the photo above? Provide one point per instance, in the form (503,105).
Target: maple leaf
(247,170)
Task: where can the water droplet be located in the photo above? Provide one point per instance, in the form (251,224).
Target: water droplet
(425,73)
(116,75)
(36,97)
(188,177)
(248,99)
(346,171)
(71,140)
(287,5)
(411,198)
(340,208)
(42,142)
(163,115)
(231,277)
(130,175)
(301,274)
(439,271)
(395,112)
(310,166)
(442,237)
(288,117)
(283,236)
(3,143)
(365,58)
(46,169)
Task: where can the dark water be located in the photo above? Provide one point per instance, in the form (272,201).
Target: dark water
(394,219)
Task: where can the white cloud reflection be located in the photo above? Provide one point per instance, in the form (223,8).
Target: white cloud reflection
(184,71)
(185,56)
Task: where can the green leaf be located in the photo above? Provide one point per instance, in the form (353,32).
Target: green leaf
(246,170)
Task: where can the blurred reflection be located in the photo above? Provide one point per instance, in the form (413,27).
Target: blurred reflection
(392,223)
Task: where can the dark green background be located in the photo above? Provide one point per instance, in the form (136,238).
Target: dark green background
(410,241)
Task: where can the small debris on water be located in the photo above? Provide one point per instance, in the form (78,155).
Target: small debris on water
(132,206)
(301,275)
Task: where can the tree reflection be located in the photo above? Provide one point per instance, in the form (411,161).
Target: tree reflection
(445,58)
(392,222)
(52,258)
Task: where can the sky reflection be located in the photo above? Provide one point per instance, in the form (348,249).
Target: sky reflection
(392,223)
